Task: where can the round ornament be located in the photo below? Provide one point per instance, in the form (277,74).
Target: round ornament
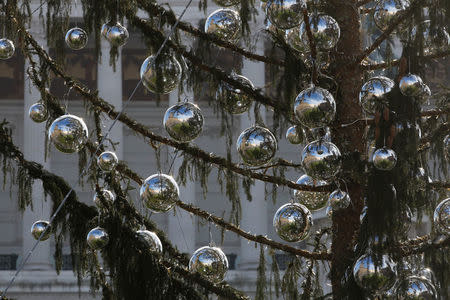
(337,200)
(447,146)
(224,24)
(161,76)
(107,161)
(432,40)
(315,107)
(374,93)
(294,40)
(6,48)
(235,100)
(105,29)
(411,85)
(226,3)
(159,192)
(108,197)
(294,135)
(292,222)
(321,160)
(38,112)
(39,227)
(384,159)
(441,217)
(256,145)
(117,35)
(325,31)
(312,200)
(150,239)
(183,121)
(374,276)
(97,238)
(387,10)
(285,14)
(210,262)
(424,94)
(68,133)
(415,287)
(76,38)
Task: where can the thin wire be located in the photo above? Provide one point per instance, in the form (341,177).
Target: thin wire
(92,157)
(181,228)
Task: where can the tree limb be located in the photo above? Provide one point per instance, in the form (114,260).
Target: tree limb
(396,62)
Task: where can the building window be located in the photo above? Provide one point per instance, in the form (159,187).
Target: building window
(12,77)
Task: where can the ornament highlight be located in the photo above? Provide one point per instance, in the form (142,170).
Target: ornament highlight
(384,159)
(387,10)
(441,217)
(210,262)
(292,222)
(38,112)
(76,38)
(224,24)
(294,136)
(117,35)
(411,85)
(321,160)
(68,133)
(97,238)
(6,48)
(325,31)
(39,227)
(415,287)
(235,100)
(256,145)
(161,76)
(373,277)
(183,121)
(374,93)
(338,200)
(315,107)
(108,197)
(285,14)
(312,200)
(159,192)
(107,161)
(150,239)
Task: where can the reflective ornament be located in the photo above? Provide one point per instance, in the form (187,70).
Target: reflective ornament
(97,238)
(441,217)
(433,40)
(447,146)
(294,40)
(235,100)
(39,227)
(374,92)
(107,161)
(312,200)
(256,145)
(321,160)
(337,200)
(150,239)
(315,107)
(425,94)
(384,159)
(6,48)
(183,121)
(415,287)
(68,133)
(108,197)
(159,192)
(161,76)
(38,112)
(363,213)
(292,222)
(76,38)
(372,276)
(226,3)
(117,35)
(105,29)
(325,31)
(224,24)
(411,85)
(285,14)
(387,10)
(210,262)
(294,135)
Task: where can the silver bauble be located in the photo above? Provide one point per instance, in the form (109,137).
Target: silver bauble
(325,31)
(117,35)
(226,3)
(76,38)
(411,85)
(235,100)
(293,135)
(292,222)
(150,239)
(107,161)
(285,14)
(321,160)
(373,277)
(108,197)
(183,121)
(256,145)
(441,217)
(315,107)
(159,192)
(337,200)
(39,227)
(425,93)
(104,30)
(373,93)
(312,200)
(38,112)
(384,159)
(388,10)
(224,24)
(210,262)
(97,238)
(432,40)
(294,40)
(68,133)
(6,48)
(161,76)
(447,146)
(415,287)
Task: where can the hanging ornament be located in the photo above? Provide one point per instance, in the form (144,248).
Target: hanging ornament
(425,94)
(76,38)
(384,159)
(315,107)
(6,48)
(447,146)
(294,135)
(68,133)
(388,10)
(183,121)
(256,145)
(441,217)
(117,35)
(294,40)
(97,238)
(321,160)
(161,76)
(38,112)
(210,262)
(108,197)
(312,200)
(415,287)
(433,40)
(159,192)
(325,31)
(150,239)
(39,227)
(292,222)
(374,93)
(235,100)
(224,24)
(107,161)
(338,200)
(411,85)
(374,276)
(105,29)
(285,14)
(226,3)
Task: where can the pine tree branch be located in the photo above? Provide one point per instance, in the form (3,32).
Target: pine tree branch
(440,185)
(420,245)
(396,62)
(440,131)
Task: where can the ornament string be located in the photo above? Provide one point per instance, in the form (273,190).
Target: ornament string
(58,209)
